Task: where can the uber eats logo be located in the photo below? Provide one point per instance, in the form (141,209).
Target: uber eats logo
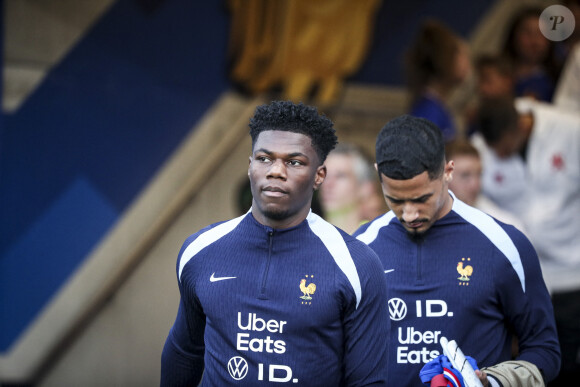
(253,323)
(256,334)
(416,346)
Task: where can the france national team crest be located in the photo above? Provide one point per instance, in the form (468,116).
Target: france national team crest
(464,271)
(307,290)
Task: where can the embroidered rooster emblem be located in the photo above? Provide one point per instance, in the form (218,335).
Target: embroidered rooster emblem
(307,291)
(465,272)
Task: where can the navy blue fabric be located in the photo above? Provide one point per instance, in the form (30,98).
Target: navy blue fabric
(471,278)
(335,335)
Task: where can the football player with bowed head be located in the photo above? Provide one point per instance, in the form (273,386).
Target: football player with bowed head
(454,271)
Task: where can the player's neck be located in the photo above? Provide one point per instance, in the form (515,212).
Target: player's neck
(280,224)
(446,208)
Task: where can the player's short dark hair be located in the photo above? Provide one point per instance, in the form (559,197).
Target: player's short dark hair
(298,118)
(495,117)
(408,146)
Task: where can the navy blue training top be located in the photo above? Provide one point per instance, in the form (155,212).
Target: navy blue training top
(472,279)
(259,306)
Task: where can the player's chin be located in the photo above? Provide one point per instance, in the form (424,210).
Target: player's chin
(276,212)
(416,234)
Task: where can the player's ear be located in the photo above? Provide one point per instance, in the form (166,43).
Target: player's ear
(320,176)
(448,171)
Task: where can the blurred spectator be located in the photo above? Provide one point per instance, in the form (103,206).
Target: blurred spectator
(567,94)
(532,55)
(349,195)
(498,142)
(466,182)
(436,63)
(494,79)
(372,203)
(551,156)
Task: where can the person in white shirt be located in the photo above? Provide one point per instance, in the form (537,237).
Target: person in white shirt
(503,178)
(551,157)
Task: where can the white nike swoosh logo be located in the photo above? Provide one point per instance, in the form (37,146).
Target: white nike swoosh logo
(388,271)
(215,279)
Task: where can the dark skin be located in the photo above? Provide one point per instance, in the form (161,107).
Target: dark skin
(284,172)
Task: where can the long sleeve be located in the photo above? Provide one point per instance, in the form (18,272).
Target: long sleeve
(182,358)
(305,305)
(367,326)
(532,314)
(471,279)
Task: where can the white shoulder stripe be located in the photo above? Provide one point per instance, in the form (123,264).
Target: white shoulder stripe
(206,239)
(335,244)
(372,231)
(494,233)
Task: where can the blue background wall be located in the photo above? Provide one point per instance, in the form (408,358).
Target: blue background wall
(87,141)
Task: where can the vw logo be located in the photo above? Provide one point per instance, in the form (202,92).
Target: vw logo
(238,367)
(397,309)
